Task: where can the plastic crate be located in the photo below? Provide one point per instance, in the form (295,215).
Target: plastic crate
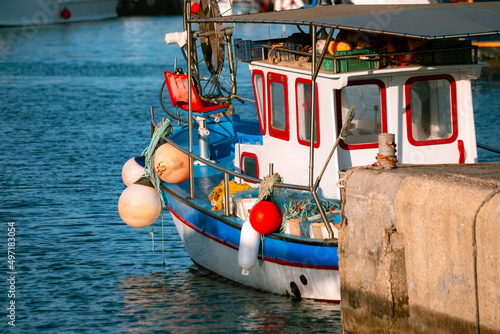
(246,50)
(450,52)
(288,56)
(349,65)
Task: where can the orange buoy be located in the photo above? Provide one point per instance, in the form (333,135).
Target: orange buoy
(339,46)
(132,170)
(139,205)
(171,165)
(265,217)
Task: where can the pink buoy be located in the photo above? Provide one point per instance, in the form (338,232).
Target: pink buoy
(132,170)
(139,206)
(171,165)
(65,13)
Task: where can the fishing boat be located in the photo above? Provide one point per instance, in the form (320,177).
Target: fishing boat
(260,202)
(41,12)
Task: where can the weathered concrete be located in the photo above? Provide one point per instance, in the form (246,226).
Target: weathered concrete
(408,262)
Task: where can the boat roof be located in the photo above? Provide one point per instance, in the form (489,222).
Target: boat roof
(428,21)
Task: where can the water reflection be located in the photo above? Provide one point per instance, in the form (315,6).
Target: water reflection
(188,301)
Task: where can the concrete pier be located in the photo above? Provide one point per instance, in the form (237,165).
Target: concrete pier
(420,250)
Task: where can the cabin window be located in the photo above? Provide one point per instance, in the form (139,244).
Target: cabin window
(431,110)
(258,90)
(303,91)
(278,106)
(249,164)
(369,99)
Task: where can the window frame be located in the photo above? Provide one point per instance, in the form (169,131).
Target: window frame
(453,111)
(383,112)
(317,118)
(273,132)
(263,118)
(252,156)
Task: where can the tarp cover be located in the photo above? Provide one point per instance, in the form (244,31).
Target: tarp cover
(450,20)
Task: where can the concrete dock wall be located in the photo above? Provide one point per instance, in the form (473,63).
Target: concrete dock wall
(420,251)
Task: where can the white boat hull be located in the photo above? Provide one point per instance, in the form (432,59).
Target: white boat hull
(222,259)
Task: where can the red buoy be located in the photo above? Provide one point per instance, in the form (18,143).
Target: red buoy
(65,13)
(195,8)
(265,217)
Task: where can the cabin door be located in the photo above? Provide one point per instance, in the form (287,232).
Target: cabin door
(430,121)
(360,146)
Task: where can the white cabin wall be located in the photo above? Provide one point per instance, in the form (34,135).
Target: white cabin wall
(290,159)
(466,127)
(395,111)
(441,153)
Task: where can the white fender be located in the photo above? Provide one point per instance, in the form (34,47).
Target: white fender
(176,38)
(249,247)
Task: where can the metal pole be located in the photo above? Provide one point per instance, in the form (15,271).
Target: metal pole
(313,107)
(152,117)
(190,113)
(314,72)
(322,56)
(226,194)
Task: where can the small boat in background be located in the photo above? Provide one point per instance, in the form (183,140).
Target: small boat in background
(245,7)
(41,12)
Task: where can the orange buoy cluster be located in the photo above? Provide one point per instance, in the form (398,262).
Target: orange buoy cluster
(140,205)
(265,217)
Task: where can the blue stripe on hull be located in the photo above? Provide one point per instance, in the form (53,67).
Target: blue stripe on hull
(290,252)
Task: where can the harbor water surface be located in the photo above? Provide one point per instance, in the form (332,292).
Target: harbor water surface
(74,107)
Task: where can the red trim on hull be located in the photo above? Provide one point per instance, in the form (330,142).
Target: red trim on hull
(201,231)
(265,258)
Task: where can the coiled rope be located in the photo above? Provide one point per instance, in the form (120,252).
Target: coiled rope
(267,186)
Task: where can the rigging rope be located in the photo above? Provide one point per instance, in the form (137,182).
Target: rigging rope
(162,130)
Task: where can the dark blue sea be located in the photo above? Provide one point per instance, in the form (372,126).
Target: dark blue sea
(74,107)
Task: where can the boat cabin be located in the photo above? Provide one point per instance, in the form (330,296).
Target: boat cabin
(427,108)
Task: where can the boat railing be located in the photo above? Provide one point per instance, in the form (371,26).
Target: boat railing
(379,57)
(228,172)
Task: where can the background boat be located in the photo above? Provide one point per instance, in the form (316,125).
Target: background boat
(32,12)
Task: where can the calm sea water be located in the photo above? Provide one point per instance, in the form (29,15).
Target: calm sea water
(74,106)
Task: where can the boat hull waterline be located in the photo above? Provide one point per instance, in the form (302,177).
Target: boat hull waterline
(299,269)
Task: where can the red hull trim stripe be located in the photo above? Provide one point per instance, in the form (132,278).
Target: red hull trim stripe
(265,258)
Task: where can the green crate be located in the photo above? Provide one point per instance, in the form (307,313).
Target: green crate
(349,65)
(456,52)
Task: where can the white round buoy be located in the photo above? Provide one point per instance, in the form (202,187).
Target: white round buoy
(133,169)
(171,165)
(139,206)
(249,248)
